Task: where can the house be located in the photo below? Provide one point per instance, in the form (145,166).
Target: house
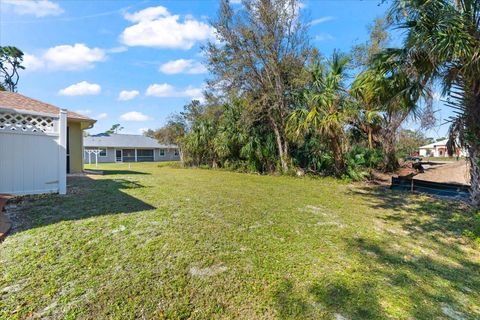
(437,149)
(106,148)
(39,144)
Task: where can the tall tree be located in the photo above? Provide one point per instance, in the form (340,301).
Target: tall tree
(171,133)
(261,55)
(442,42)
(364,53)
(114,129)
(326,107)
(391,88)
(11,59)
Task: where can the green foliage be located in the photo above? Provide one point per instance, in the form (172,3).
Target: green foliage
(114,129)
(409,141)
(360,161)
(11,59)
(442,44)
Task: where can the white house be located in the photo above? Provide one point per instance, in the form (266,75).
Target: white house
(105,148)
(438,149)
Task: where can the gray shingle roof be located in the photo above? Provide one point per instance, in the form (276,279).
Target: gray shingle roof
(123,141)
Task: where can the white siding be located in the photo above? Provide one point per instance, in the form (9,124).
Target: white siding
(30,162)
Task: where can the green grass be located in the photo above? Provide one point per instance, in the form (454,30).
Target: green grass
(162,242)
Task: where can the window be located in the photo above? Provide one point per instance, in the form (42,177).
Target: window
(176,152)
(103,152)
(162,152)
(144,155)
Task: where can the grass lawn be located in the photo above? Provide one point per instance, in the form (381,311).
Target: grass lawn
(162,242)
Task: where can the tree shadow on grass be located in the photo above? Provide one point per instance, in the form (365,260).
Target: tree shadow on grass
(116,172)
(333,296)
(428,285)
(386,282)
(428,275)
(85,198)
(420,215)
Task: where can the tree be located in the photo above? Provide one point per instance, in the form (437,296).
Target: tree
(389,84)
(366,90)
(325,106)
(410,140)
(261,56)
(363,54)
(442,41)
(114,129)
(11,59)
(171,133)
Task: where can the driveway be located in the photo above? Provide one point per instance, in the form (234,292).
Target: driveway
(446,172)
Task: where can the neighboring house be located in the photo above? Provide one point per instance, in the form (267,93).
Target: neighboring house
(39,144)
(437,149)
(127,148)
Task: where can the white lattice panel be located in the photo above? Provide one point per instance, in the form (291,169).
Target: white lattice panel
(26,123)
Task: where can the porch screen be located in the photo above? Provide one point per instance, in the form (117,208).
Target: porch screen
(128,155)
(145,155)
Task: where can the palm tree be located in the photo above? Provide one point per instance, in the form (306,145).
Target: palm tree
(366,91)
(325,106)
(442,43)
(388,90)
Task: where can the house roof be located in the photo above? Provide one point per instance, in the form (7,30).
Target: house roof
(123,141)
(441,143)
(13,100)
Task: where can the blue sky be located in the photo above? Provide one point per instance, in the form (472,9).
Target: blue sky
(137,62)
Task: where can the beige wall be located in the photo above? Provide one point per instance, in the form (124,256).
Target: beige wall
(76,146)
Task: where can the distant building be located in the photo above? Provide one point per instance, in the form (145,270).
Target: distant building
(127,148)
(438,149)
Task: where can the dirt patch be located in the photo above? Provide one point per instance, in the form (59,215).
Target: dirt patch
(446,172)
(207,272)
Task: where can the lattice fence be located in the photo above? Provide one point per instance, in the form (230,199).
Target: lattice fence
(26,123)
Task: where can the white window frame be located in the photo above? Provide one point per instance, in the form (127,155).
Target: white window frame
(100,153)
(177,152)
(160,152)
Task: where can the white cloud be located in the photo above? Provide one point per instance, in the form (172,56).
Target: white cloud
(321,20)
(66,58)
(134,116)
(118,49)
(189,66)
(143,130)
(161,90)
(38,8)
(156,27)
(323,37)
(81,89)
(100,116)
(76,57)
(84,112)
(147,14)
(128,95)
(32,63)
(167,90)
(235,1)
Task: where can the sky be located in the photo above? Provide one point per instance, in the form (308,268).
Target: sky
(137,62)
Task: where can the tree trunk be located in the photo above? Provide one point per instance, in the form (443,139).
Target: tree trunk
(390,157)
(474,158)
(338,156)
(370,138)
(473,142)
(282,146)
